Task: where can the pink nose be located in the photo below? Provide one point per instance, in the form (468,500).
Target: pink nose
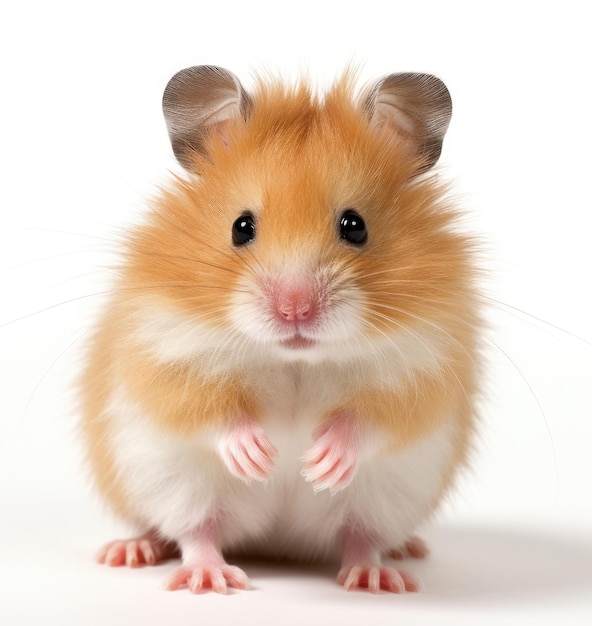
(295,304)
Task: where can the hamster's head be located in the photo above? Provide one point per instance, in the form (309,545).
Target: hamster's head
(308,227)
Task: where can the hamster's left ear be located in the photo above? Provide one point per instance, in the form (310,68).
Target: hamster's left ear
(417,107)
(198,101)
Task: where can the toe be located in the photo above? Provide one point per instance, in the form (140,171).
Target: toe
(116,554)
(218,582)
(374,579)
(352,578)
(132,558)
(236,578)
(147,552)
(177,579)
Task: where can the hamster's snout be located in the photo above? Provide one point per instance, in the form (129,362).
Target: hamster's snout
(306,312)
(295,303)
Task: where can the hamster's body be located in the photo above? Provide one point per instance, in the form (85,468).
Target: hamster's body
(288,363)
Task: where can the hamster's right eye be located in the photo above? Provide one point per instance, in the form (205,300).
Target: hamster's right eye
(243,230)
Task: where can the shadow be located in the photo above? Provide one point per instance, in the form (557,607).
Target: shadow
(468,566)
(472,565)
(496,566)
(263,567)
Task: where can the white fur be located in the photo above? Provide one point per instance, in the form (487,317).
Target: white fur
(176,483)
(249,334)
(172,483)
(172,336)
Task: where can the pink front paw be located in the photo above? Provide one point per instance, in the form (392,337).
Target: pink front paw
(332,462)
(247,452)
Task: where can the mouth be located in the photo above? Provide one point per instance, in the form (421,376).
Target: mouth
(298,342)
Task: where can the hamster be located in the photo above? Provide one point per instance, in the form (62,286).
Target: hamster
(289,360)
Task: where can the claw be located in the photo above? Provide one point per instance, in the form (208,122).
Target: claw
(216,578)
(332,462)
(247,452)
(149,549)
(377,578)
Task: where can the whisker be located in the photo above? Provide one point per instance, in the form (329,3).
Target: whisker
(497,346)
(54,231)
(248,250)
(537,401)
(188,259)
(46,259)
(54,306)
(78,335)
(427,322)
(408,370)
(116,290)
(416,335)
(505,305)
(57,286)
(439,308)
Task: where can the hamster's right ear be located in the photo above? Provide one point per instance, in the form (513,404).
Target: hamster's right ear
(198,101)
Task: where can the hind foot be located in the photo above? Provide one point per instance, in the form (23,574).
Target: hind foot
(215,576)
(377,578)
(362,568)
(149,549)
(204,568)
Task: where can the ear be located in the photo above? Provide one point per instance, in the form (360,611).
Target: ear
(198,101)
(417,107)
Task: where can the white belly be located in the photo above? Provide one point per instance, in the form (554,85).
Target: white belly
(174,484)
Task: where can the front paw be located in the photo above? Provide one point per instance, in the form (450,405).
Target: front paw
(247,452)
(332,462)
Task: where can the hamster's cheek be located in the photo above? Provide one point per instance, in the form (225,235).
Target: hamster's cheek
(172,335)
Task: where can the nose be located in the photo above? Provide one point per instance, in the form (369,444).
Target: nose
(295,304)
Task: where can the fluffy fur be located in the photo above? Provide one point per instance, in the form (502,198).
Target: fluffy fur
(190,344)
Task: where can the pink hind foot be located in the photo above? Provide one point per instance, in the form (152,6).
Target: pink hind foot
(149,549)
(414,548)
(204,567)
(362,568)
(377,578)
(217,577)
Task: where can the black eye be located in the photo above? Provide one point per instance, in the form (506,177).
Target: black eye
(352,228)
(243,230)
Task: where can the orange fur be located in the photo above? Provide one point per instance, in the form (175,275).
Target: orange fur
(298,161)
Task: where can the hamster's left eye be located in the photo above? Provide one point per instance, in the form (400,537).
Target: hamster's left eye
(352,228)
(243,230)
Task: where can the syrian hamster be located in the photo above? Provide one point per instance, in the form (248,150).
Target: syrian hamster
(289,360)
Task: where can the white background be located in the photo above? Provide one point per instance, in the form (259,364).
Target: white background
(83,143)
